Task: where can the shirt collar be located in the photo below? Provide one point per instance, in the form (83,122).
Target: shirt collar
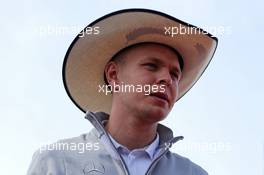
(149,149)
(166,138)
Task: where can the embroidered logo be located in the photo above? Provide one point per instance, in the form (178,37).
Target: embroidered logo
(93,168)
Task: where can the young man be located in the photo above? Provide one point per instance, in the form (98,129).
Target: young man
(148,60)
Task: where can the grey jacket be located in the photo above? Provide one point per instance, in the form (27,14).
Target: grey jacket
(66,158)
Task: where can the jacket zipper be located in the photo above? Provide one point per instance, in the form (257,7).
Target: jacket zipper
(121,159)
(155,161)
(114,148)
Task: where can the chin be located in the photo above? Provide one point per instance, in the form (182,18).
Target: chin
(156,114)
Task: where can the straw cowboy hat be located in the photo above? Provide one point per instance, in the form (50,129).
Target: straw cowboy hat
(83,67)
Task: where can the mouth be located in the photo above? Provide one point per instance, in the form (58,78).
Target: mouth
(161,96)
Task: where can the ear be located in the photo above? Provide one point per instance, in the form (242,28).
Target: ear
(111,71)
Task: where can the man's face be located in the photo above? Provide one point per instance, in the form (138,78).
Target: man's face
(144,65)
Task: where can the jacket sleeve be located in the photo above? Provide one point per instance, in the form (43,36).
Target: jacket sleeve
(47,162)
(197,170)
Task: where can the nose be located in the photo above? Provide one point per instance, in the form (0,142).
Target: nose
(165,78)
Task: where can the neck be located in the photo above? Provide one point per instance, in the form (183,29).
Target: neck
(129,130)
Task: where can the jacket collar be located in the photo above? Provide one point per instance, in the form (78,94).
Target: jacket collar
(165,133)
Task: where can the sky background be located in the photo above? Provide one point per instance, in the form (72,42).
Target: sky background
(221,117)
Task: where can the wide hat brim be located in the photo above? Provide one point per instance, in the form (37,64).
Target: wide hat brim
(83,67)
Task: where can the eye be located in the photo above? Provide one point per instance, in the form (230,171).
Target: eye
(151,66)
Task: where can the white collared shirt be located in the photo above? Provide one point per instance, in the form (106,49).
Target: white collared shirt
(138,160)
